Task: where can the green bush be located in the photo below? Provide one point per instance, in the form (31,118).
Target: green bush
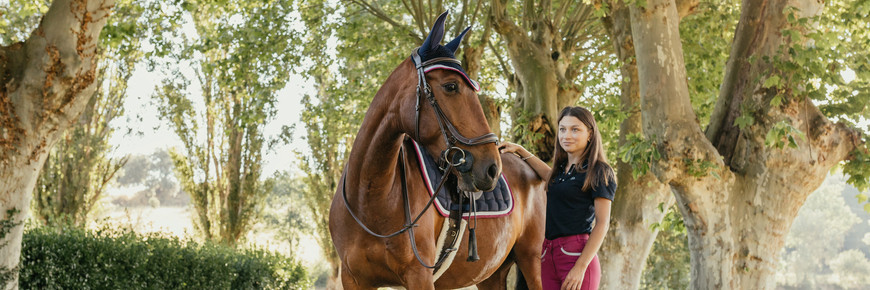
(111,259)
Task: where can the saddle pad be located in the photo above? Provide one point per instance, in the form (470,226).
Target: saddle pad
(496,203)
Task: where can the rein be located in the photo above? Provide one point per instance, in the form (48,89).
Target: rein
(459,162)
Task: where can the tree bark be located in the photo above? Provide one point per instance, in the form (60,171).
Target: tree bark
(736,214)
(46,83)
(542,53)
(471,61)
(231,195)
(639,201)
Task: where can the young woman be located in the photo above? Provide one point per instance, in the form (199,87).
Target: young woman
(580,188)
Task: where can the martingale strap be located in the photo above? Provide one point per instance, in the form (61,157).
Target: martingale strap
(409,224)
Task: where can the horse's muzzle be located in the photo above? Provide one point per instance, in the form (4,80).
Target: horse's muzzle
(483,178)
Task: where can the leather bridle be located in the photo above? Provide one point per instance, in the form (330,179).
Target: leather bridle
(451,137)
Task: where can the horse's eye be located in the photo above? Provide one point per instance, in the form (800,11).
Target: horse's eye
(451,87)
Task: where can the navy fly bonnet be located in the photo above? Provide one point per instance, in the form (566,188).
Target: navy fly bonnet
(432,49)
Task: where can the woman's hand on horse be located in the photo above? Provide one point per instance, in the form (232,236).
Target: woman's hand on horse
(574,279)
(508,147)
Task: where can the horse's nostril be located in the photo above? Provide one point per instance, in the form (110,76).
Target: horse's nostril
(492,171)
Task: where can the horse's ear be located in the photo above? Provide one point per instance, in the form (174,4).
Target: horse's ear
(436,35)
(454,44)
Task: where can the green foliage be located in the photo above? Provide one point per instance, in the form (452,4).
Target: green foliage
(120,259)
(639,153)
(346,76)
(783,134)
(706,39)
(668,264)
(288,217)
(609,117)
(601,9)
(7,224)
(817,56)
(838,47)
(639,3)
(700,168)
(857,167)
(285,210)
(18,18)
(601,95)
(745,119)
(242,55)
(820,52)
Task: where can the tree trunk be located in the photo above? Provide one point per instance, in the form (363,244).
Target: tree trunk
(736,215)
(230,204)
(639,201)
(643,201)
(541,54)
(18,180)
(46,83)
(471,59)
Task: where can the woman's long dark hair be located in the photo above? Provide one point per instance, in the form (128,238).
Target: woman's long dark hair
(599,172)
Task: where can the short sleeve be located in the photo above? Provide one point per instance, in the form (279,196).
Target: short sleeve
(607,191)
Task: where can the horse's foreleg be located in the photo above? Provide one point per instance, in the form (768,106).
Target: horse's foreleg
(349,282)
(498,280)
(419,278)
(529,262)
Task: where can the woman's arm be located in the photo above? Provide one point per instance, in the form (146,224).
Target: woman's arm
(596,238)
(540,167)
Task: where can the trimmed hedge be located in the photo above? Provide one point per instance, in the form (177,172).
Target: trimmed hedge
(107,259)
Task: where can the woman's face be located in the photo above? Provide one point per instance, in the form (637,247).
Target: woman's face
(573,135)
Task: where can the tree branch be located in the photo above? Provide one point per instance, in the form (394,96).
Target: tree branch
(545,7)
(380,14)
(504,67)
(560,14)
(668,116)
(458,25)
(577,22)
(502,24)
(744,44)
(528,13)
(420,16)
(686,7)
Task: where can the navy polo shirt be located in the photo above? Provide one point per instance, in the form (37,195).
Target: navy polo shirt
(570,210)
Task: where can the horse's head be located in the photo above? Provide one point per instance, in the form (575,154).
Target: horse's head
(448,118)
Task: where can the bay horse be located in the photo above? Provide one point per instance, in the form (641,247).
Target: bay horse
(435,103)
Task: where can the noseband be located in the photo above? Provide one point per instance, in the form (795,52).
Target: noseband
(460,160)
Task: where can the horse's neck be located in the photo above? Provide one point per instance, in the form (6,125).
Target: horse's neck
(373,159)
